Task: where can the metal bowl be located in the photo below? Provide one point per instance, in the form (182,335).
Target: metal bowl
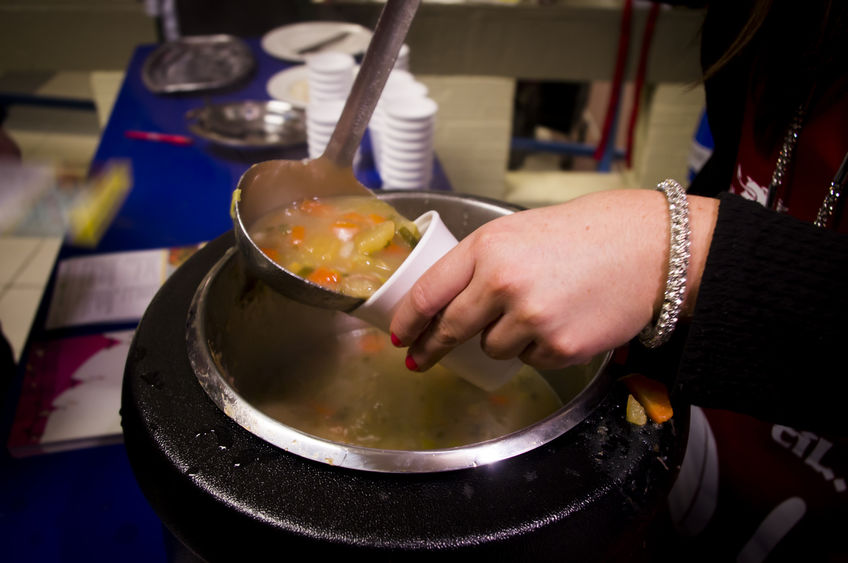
(249,124)
(195,63)
(242,338)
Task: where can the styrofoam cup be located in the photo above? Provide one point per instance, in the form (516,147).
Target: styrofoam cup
(330,62)
(393,182)
(408,150)
(422,135)
(329,75)
(325,112)
(402,62)
(419,178)
(467,360)
(411,111)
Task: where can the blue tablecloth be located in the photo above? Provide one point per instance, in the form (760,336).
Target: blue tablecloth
(84,505)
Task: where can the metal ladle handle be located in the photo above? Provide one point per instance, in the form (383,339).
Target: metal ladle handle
(379,59)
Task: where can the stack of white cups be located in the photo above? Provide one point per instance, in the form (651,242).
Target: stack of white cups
(329,77)
(321,119)
(406,146)
(401,85)
(402,62)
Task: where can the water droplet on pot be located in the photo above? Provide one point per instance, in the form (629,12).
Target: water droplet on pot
(154,379)
(222,438)
(243,459)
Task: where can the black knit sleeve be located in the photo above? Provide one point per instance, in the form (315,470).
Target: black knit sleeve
(770,334)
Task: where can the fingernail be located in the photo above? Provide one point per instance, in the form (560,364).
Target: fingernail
(410,363)
(395,340)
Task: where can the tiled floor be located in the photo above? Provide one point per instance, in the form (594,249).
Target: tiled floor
(25,265)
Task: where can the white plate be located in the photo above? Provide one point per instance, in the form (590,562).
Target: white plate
(286,42)
(290,85)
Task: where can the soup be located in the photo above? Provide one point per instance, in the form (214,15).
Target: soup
(363,396)
(349,244)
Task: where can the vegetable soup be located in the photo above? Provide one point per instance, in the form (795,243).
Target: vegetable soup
(348,244)
(363,396)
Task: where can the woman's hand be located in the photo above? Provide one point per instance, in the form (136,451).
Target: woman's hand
(555,285)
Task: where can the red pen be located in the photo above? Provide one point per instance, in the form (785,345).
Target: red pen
(158,137)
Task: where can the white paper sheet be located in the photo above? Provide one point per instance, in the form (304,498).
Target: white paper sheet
(106,288)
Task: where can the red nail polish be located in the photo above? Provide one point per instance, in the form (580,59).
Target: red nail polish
(410,364)
(395,340)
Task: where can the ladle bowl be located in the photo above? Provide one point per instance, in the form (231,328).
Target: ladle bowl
(259,191)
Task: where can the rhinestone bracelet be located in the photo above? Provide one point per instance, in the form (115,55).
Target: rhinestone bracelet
(678,267)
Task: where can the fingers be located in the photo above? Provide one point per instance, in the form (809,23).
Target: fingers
(466,315)
(542,356)
(430,294)
(535,338)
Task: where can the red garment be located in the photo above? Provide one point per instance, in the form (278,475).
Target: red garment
(820,149)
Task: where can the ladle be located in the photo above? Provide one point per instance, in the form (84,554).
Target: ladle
(274,183)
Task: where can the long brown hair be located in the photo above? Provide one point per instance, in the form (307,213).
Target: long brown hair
(796,48)
(755,20)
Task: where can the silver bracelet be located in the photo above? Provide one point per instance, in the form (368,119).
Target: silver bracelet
(678,267)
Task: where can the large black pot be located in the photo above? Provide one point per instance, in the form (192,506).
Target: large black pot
(588,493)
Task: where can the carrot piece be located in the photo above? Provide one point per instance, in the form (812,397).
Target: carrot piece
(271,253)
(315,207)
(372,342)
(651,394)
(354,217)
(322,410)
(376,218)
(394,248)
(324,276)
(499,400)
(298,235)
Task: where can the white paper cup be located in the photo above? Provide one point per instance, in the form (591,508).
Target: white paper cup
(394,183)
(421,135)
(408,150)
(328,96)
(406,181)
(325,112)
(330,62)
(419,163)
(411,110)
(402,62)
(320,130)
(467,360)
(329,75)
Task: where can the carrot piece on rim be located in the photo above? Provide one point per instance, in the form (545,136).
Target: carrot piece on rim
(651,394)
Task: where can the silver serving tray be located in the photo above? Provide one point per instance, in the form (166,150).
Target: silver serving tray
(249,124)
(201,62)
